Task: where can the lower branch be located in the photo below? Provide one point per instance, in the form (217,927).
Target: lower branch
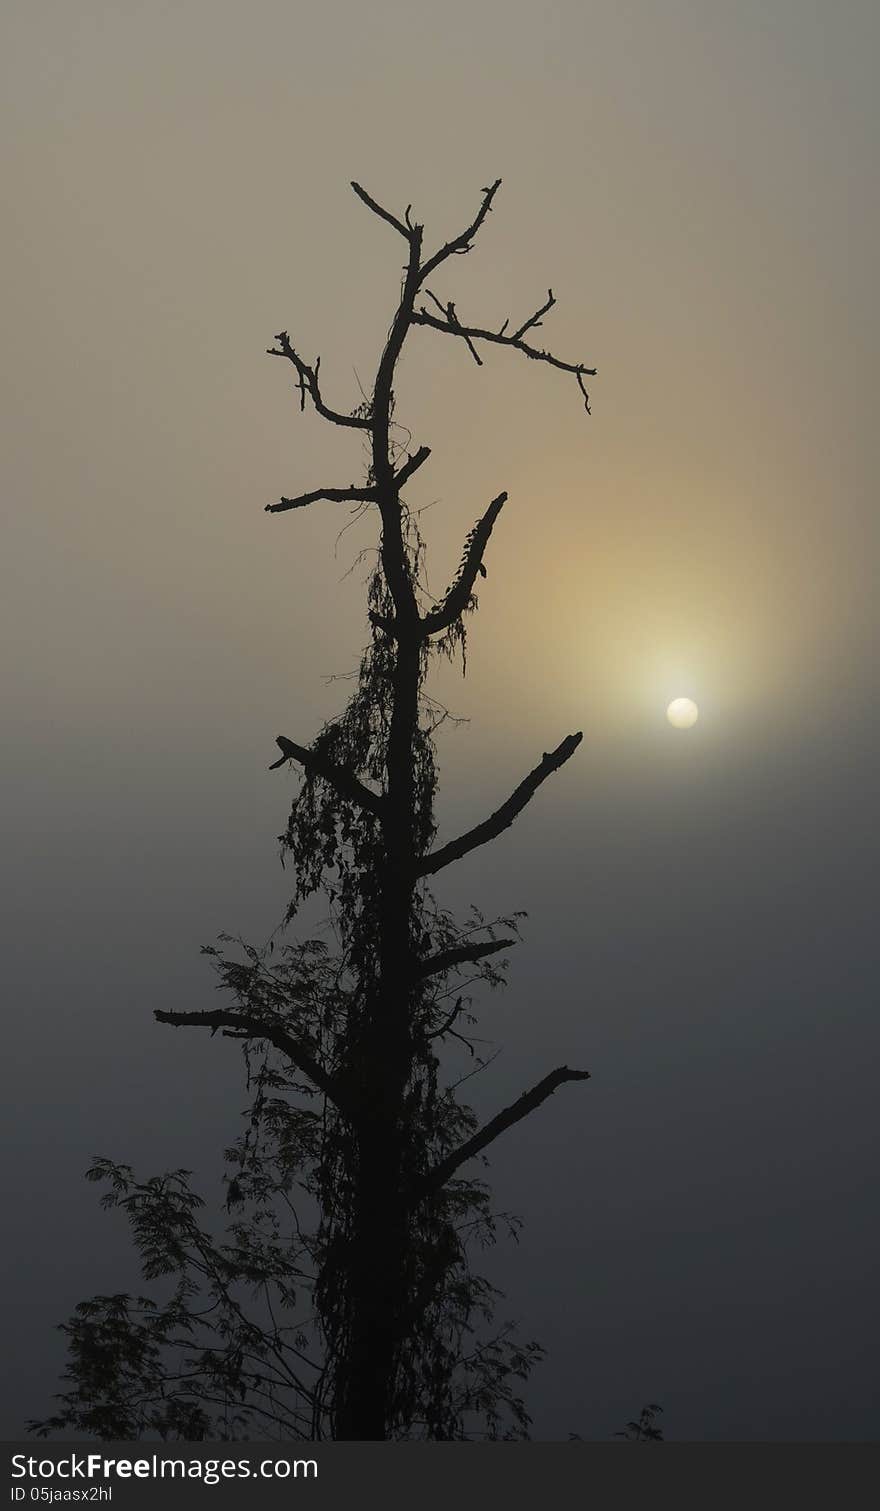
(350,495)
(487,1135)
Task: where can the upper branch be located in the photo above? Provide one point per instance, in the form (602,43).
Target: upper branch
(239,1025)
(317,764)
(458,597)
(504,816)
(308,384)
(353,494)
(462,243)
(528,1102)
(405,227)
(451,325)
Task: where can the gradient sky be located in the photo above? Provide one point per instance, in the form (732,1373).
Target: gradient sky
(696,180)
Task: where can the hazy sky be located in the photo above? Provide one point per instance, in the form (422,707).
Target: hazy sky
(697,182)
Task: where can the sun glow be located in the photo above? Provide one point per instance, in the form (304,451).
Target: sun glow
(682,713)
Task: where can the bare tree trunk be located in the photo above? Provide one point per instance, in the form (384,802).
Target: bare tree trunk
(377,1282)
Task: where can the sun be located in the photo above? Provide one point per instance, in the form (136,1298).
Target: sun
(682,713)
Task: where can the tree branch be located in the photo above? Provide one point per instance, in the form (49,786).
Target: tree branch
(458,597)
(316,764)
(449,311)
(382,622)
(308,384)
(411,465)
(465,954)
(528,1102)
(504,816)
(534,320)
(406,229)
(352,494)
(452,326)
(243,1025)
(461,243)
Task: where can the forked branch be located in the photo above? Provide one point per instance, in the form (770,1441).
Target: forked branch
(504,816)
(528,1102)
(405,227)
(451,325)
(307,383)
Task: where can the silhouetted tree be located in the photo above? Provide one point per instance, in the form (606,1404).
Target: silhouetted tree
(341,1300)
(645,1430)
